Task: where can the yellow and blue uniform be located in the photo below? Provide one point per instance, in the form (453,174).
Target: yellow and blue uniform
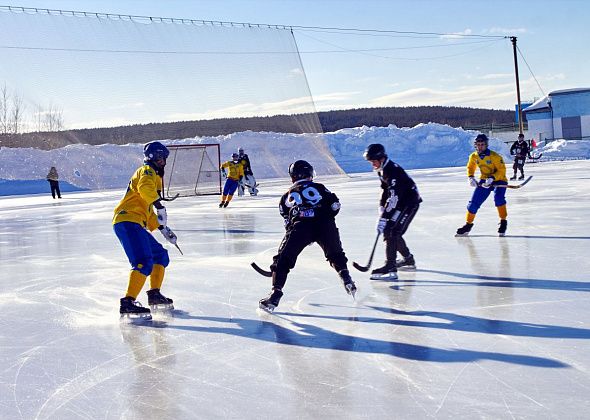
(491,165)
(235,172)
(134,216)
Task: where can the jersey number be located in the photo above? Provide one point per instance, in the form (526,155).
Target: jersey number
(310,195)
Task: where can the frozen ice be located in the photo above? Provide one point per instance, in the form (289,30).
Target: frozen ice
(486,327)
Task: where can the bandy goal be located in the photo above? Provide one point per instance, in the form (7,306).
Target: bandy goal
(192,169)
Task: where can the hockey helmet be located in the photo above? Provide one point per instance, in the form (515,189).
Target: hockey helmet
(154,151)
(235,157)
(241,151)
(300,169)
(481,138)
(375,152)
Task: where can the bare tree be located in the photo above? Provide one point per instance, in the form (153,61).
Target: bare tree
(4,110)
(16,114)
(54,120)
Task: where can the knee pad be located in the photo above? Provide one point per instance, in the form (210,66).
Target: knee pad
(162,257)
(473,207)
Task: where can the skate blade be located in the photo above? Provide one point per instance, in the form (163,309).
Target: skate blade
(406,268)
(461,235)
(136,317)
(268,309)
(388,276)
(501,235)
(351,291)
(162,307)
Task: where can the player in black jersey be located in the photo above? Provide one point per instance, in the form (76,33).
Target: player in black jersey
(520,150)
(398,205)
(309,210)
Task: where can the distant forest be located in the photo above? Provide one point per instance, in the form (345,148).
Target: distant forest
(330,121)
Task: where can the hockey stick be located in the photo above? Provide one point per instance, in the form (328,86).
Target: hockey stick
(172,198)
(522,184)
(177,247)
(261,270)
(366,268)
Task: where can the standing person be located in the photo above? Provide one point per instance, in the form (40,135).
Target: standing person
(53,177)
(309,210)
(492,172)
(520,150)
(235,174)
(249,179)
(134,217)
(398,205)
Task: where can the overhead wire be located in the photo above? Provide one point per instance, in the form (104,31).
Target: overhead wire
(530,70)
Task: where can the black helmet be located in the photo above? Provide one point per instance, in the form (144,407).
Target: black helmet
(374,152)
(154,151)
(481,137)
(235,157)
(300,169)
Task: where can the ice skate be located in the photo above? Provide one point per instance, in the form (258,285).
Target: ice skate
(225,204)
(407,263)
(387,272)
(513,178)
(269,303)
(520,178)
(131,309)
(464,230)
(349,285)
(158,302)
(502,228)
(221,204)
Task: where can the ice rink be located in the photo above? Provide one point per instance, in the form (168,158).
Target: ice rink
(486,327)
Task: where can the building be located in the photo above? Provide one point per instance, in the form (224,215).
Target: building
(563,114)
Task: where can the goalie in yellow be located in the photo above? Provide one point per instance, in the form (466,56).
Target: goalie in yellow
(134,217)
(235,174)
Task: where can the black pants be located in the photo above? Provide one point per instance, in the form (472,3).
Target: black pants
(518,165)
(392,235)
(54,188)
(302,234)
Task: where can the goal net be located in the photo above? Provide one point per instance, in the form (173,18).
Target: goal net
(192,169)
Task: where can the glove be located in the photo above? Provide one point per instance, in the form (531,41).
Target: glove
(162,216)
(488,182)
(169,235)
(381,210)
(473,182)
(381,225)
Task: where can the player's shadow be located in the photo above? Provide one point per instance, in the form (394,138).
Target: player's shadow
(464,323)
(499,281)
(298,334)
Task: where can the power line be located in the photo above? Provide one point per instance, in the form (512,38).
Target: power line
(530,70)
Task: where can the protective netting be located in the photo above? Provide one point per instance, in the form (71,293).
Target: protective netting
(71,70)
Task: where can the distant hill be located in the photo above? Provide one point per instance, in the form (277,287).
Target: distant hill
(330,121)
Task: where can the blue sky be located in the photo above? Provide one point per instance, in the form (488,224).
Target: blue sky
(402,70)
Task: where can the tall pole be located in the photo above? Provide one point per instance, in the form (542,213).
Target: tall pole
(520,124)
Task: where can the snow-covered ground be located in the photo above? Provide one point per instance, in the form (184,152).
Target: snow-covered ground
(487,327)
(23,171)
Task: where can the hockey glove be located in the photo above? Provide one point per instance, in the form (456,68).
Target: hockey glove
(473,182)
(488,182)
(168,234)
(381,225)
(162,216)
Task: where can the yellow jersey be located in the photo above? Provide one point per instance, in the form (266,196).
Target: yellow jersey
(490,164)
(234,170)
(136,206)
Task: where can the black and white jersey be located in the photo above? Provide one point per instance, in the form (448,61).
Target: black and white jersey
(245,161)
(308,201)
(520,149)
(399,190)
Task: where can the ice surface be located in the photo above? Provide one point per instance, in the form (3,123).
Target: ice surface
(487,327)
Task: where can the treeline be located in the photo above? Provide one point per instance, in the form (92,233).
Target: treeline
(330,121)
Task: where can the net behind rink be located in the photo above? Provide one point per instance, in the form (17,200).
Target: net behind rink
(192,170)
(73,70)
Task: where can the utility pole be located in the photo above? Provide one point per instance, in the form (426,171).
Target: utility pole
(520,124)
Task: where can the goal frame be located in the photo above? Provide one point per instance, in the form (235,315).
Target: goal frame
(171,165)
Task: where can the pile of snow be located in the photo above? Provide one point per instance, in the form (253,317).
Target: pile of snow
(109,166)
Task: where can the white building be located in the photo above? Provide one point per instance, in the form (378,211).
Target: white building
(563,114)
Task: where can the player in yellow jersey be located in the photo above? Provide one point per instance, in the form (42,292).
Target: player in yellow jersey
(235,173)
(134,217)
(492,172)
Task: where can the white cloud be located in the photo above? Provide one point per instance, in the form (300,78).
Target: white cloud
(506,31)
(493,76)
(457,35)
